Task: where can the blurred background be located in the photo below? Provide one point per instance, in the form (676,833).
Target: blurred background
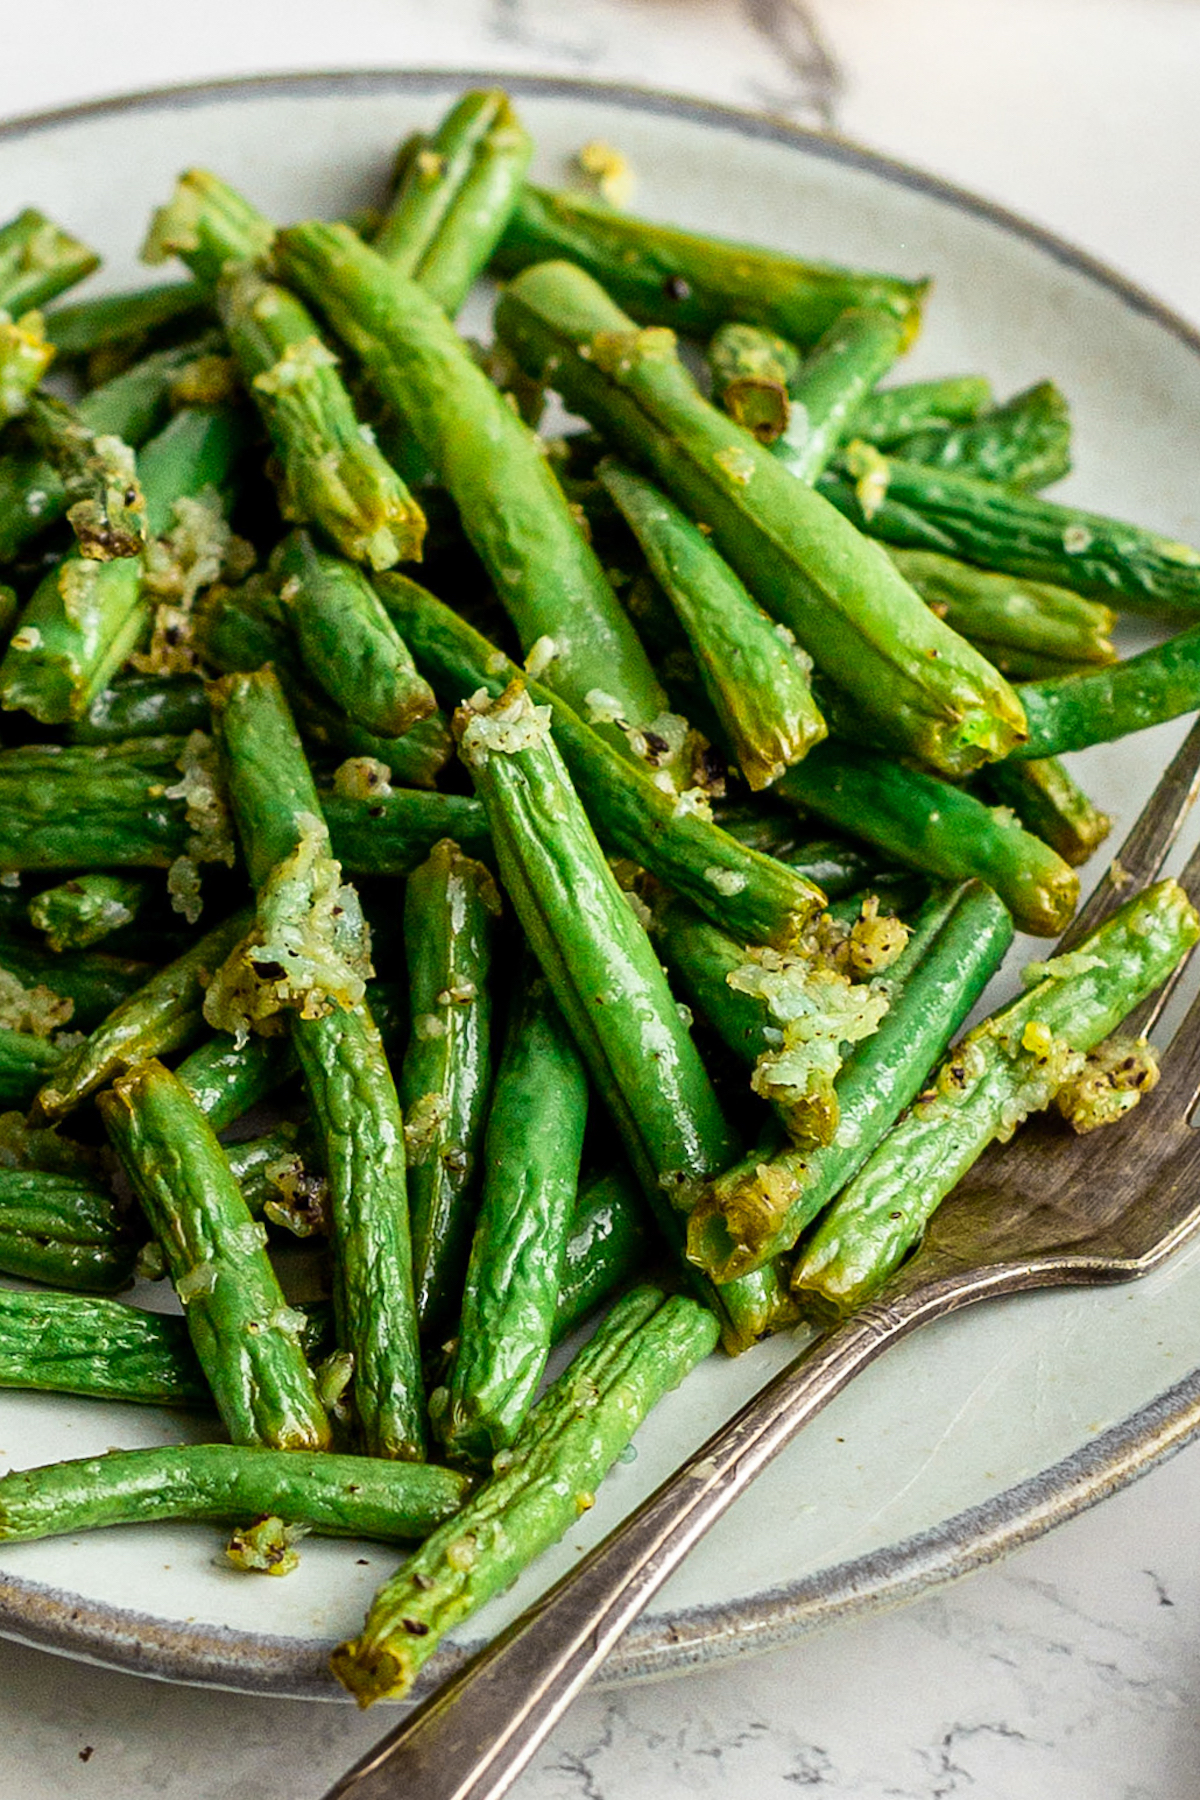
(1080,113)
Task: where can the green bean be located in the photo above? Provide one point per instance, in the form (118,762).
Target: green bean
(392,833)
(85,617)
(757,684)
(857,349)
(890,414)
(450,908)
(751,372)
(853,613)
(84,910)
(361,1131)
(240,630)
(63,1229)
(226,1078)
(105,505)
(456,197)
(26,1146)
(664,276)
(1025,443)
(246,1337)
(347,642)
(935,828)
(163,1014)
(24,358)
(531,1177)
(330,473)
(39,260)
(275,1182)
(835,865)
(603,974)
(389,1008)
(428,174)
(94,981)
(1001,614)
(546,574)
(408,149)
(645,1347)
(414,760)
(1008,1067)
(1023,666)
(1018,534)
(65,816)
(762,824)
(143,706)
(792,1022)
(209,225)
(591,947)
(1049,802)
(85,326)
(1094,707)
(99,762)
(83,1344)
(138,402)
(25,1063)
(357,1117)
(612,1239)
(133,406)
(752,893)
(335,1495)
(838,868)
(756,1209)
(31,497)
(269,781)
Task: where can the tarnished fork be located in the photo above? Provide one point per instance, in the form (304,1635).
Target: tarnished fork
(1033,1213)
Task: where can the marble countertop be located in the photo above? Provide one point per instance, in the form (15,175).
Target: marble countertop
(1073,1668)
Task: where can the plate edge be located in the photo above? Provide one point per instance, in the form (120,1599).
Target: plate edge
(294,1668)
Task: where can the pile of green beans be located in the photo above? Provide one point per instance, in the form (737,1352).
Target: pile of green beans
(583,928)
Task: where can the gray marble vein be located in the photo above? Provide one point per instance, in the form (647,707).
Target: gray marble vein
(814,79)
(556,34)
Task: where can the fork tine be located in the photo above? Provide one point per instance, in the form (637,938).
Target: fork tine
(1145,849)
(1142,1020)
(1179,1088)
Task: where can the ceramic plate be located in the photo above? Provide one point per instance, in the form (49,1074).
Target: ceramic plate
(967,1439)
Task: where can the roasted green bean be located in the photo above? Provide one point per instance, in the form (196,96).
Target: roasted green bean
(450,908)
(512,509)
(1008,1067)
(852,612)
(663,276)
(645,1347)
(456,196)
(245,1335)
(530,1178)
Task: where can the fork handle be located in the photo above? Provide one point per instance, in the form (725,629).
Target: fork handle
(471,1739)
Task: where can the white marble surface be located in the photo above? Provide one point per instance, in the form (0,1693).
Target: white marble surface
(1072,1669)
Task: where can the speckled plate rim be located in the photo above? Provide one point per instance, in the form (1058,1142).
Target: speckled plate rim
(212,1656)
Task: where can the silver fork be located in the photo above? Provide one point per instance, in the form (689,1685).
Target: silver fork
(1032,1214)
